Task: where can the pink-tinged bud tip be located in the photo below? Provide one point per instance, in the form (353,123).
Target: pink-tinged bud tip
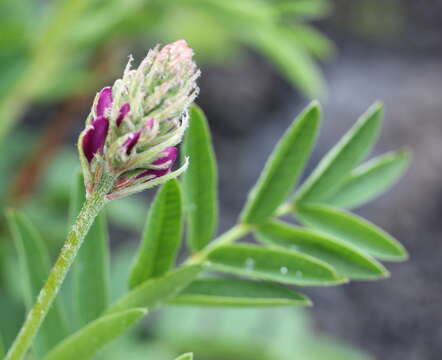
(95,137)
(169,154)
(124,110)
(149,123)
(104,101)
(179,49)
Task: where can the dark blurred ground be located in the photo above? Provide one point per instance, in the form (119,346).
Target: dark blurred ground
(388,50)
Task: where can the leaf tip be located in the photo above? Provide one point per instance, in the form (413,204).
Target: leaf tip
(378,105)
(385,275)
(315,104)
(307,302)
(398,252)
(314,109)
(406,154)
(376,110)
(402,254)
(141,311)
(341,280)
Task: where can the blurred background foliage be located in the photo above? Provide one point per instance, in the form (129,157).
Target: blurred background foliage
(261,59)
(59,48)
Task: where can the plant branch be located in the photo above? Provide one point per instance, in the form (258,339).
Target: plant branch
(91,208)
(230,236)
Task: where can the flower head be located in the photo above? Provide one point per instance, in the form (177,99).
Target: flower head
(134,126)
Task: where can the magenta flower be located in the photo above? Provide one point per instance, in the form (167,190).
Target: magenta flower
(104,101)
(124,110)
(131,141)
(95,137)
(134,126)
(169,156)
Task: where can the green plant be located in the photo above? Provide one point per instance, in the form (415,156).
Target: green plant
(70,42)
(333,247)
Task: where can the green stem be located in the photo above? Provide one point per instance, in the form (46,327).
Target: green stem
(85,219)
(230,236)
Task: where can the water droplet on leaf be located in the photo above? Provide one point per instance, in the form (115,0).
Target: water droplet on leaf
(250,263)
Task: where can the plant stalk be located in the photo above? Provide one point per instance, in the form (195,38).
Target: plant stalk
(230,236)
(89,211)
(234,233)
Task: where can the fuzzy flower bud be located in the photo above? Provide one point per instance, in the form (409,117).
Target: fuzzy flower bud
(134,126)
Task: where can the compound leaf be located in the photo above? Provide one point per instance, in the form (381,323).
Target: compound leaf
(334,168)
(371,179)
(347,260)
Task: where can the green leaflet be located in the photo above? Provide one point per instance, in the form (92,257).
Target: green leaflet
(188,356)
(236,292)
(277,265)
(353,230)
(371,179)
(162,235)
(200,182)
(86,342)
(91,267)
(334,168)
(153,292)
(283,167)
(347,260)
(35,264)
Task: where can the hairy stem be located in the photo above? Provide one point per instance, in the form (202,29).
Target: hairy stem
(36,316)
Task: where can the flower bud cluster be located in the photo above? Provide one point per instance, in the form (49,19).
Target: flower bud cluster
(134,126)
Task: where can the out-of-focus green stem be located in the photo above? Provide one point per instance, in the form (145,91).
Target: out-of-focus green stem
(86,217)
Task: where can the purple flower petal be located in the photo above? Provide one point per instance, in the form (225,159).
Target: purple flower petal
(131,141)
(124,110)
(149,123)
(169,154)
(104,101)
(93,141)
